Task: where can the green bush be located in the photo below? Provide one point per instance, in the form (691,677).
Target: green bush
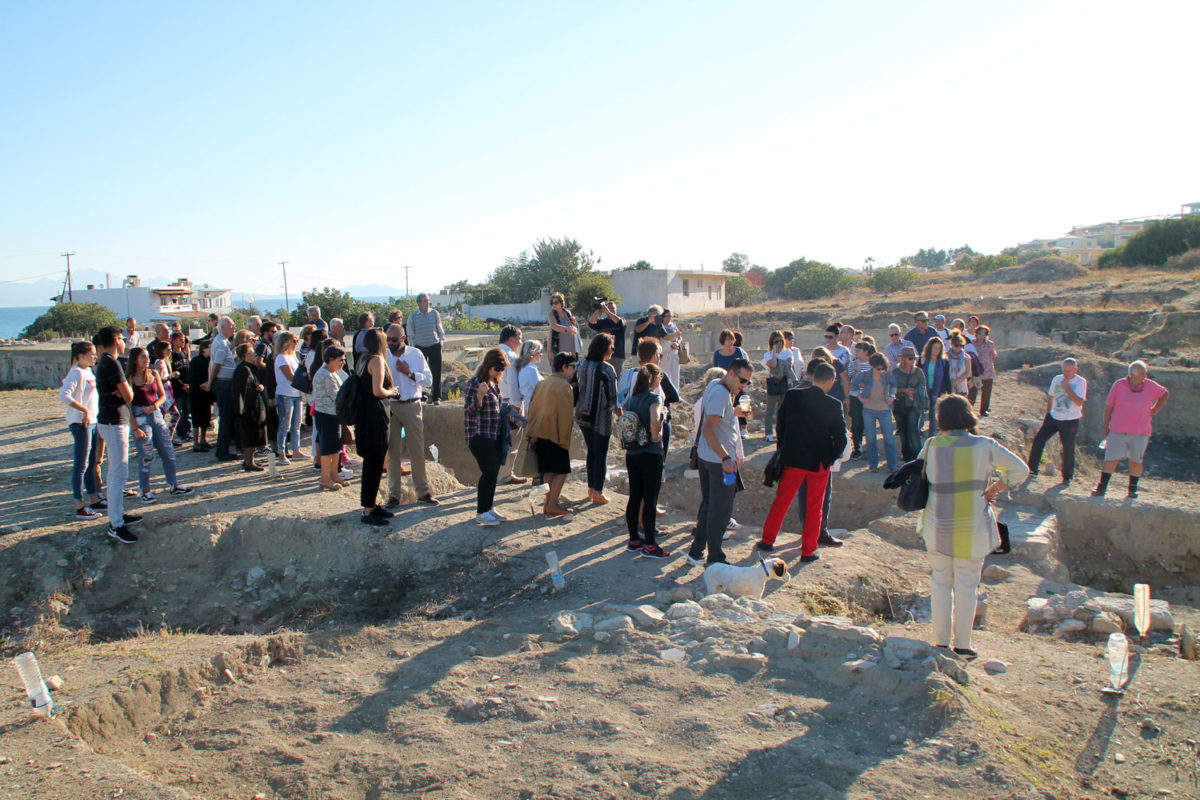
(981,265)
(818,280)
(1155,244)
(1033,255)
(587,286)
(71,319)
(739,291)
(893,279)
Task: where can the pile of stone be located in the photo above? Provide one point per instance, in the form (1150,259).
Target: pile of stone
(1084,611)
(747,635)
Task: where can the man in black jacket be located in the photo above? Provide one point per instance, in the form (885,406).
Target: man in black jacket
(811,437)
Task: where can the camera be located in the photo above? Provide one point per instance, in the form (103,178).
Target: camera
(598,303)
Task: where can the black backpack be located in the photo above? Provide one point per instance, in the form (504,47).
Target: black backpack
(346,402)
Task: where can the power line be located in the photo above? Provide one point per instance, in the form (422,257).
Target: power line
(287,303)
(406,269)
(70,294)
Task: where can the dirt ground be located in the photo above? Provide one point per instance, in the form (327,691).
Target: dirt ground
(260,643)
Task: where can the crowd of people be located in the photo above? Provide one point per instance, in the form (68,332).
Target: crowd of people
(918,394)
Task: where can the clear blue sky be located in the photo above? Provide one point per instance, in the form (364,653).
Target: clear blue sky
(213,139)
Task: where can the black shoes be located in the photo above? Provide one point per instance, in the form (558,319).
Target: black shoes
(809,559)
(122,535)
(252,468)
(131,518)
(766,548)
(828,540)
(376,516)
(966,653)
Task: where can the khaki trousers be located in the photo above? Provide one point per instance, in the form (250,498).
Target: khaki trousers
(406,418)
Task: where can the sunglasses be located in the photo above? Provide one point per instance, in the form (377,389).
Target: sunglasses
(391,340)
(829,336)
(743,381)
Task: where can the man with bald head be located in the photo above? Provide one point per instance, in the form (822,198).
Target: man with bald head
(221,365)
(410,373)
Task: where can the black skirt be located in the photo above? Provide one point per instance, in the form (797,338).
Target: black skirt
(551,457)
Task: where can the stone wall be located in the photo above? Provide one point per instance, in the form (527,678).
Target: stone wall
(40,366)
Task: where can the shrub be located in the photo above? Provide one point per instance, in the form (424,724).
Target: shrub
(589,285)
(1155,244)
(893,279)
(818,280)
(1188,260)
(981,265)
(70,319)
(739,291)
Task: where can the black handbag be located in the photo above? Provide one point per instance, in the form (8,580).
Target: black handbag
(914,490)
(773,471)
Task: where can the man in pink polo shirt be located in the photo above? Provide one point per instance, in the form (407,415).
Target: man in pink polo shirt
(1132,403)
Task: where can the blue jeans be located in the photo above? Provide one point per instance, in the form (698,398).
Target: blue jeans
(597,458)
(884,418)
(83,468)
(289,423)
(160,440)
(908,428)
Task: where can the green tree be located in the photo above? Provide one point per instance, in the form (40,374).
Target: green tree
(777,281)
(590,285)
(758,276)
(893,279)
(557,264)
(737,262)
(929,258)
(643,264)
(740,292)
(981,265)
(70,319)
(337,303)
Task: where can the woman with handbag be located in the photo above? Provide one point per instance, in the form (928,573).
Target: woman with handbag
(779,362)
(644,461)
(149,428)
(564,330)
(481,426)
(371,424)
(287,398)
(594,410)
(551,418)
(957,523)
(936,368)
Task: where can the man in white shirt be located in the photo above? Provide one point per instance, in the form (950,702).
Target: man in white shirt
(1064,409)
(410,372)
(510,392)
(939,327)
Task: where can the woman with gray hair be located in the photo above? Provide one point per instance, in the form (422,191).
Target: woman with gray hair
(527,371)
(1133,401)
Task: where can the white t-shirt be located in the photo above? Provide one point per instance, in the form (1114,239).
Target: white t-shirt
(527,380)
(283,384)
(783,355)
(80,385)
(1062,407)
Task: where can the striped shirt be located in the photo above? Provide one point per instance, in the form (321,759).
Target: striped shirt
(957,520)
(425,329)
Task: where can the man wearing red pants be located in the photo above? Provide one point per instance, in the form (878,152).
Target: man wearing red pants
(811,435)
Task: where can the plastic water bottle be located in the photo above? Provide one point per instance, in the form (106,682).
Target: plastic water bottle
(1118,660)
(730,478)
(556,576)
(35,687)
(1104,443)
(433,453)
(272,467)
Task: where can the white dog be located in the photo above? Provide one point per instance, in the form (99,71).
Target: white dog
(745,581)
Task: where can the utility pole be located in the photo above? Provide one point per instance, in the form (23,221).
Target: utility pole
(406,269)
(70,294)
(287,303)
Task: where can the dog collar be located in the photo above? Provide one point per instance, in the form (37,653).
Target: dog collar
(763,564)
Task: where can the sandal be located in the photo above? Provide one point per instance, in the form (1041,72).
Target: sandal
(330,487)
(556,512)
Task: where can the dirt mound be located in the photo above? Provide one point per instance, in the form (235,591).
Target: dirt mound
(1039,270)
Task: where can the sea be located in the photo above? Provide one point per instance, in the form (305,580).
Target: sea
(14,319)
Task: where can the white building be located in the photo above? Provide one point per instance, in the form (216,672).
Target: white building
(150,303)
(683,291)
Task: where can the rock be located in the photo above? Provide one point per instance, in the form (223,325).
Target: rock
(842,629)
(994,666)
(563,623)
(752,605)
(891,661)
(645,616)
(1187,643)
(905,649)
(1119,758)
(734,615)
(686,608)
(857,666)
(672,654)
(1107,622)
(997,573)
(584,621)
(747,661)
(952,669)
(54,682)
(672,591)
(714,601)
(793,640)
(621,622)
(1122,606)
(256,576)
(603,636)
(1068,626)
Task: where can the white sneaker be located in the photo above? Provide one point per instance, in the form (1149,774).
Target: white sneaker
(771,437)
(352,462)
(744,434)
(487,519)
(345,474)
(733,525)
(498,515)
